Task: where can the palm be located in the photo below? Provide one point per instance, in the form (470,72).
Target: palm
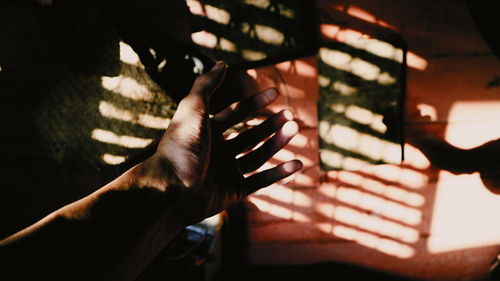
(212,173)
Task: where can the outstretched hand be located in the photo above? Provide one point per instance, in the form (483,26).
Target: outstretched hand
(195,151)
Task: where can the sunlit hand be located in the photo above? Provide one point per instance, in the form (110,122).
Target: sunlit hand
(194,148)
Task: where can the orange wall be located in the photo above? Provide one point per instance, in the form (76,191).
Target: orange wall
(413,219)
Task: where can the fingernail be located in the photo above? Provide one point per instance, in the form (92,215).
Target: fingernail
(218,66)
(288,114)
(290,129)
(292,166)
(271,93)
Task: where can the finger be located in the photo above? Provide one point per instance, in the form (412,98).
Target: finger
(250,138)
(241,110)
(270,176)
(253,160)
(237,86)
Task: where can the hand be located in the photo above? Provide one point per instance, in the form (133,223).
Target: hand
(194,148)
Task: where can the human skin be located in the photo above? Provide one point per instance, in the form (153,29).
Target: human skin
(115,232)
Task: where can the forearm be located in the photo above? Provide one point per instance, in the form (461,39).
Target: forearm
(111,234)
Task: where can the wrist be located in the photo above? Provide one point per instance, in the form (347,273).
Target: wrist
(155,172)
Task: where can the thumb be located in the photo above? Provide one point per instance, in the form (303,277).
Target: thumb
(203,88)
(186,143)
(194,107)
(206,84)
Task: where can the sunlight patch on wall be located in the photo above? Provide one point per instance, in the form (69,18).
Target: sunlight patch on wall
(361,81)
(109,110)
(415,61)
(154,122)
(428,111)
(301,199)
(464,214)
(253,55)
(365,144)
(205,39)
(269,35)
(281,193)
(415,158)
(473,123)
(363,69)
(337,107)
(325,209)
(195,7)
(324,81)
(127,87)
(106,136)
(328,189)
(394,193)
(362,14)
(209,40)
(217,14)
(336,159)
(365,117)
(361,41)
(263,4)
(127,55)
(113,159)
(344,89)
(382,49)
